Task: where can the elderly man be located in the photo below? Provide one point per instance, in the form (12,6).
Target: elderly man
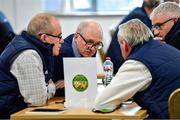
(150,73)
(83,43)
(26,68)
(166,23)
(141,13)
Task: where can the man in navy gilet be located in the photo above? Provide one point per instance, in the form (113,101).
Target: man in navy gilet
(141,13)
(83,43)
(150,73)
(26,65)
(166,23)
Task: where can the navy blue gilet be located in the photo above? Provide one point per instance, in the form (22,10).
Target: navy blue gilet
(173,36)
(10,99)
(163,62)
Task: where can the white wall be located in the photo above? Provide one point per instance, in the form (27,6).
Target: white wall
(19,13)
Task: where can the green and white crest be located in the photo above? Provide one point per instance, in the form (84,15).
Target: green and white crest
(80,83)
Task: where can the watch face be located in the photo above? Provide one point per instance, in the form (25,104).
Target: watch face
(80,83)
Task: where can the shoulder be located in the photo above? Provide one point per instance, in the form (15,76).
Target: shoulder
(66,47)
(138,12)
(28,56)
(68,39)
(30,52)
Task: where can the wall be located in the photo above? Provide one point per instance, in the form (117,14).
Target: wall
(19,13)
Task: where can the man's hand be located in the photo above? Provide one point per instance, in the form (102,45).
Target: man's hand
(51,89)
(59,84)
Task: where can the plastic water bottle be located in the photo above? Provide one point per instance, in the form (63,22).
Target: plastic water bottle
(108,71)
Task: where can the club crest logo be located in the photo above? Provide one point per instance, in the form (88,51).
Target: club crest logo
(80,83)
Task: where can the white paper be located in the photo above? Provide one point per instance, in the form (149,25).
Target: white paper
(87,68)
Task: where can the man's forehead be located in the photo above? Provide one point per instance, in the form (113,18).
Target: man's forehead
(158,19)
(93,34)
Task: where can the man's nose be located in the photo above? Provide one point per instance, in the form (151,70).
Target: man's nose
(155,32)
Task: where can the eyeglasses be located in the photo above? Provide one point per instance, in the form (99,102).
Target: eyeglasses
(158,26)
(91,44)
(56,36)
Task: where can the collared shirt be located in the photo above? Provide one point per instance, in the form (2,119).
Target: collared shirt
(132,77)
(75,48)
(28,70)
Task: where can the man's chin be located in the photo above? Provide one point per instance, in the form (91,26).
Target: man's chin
(56,54)
(87,55)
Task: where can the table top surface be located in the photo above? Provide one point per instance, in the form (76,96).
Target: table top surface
(73,113)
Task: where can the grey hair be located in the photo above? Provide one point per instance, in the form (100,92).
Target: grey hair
(166,9)
(177,1)
(85,27)
(41,23)
(134,32)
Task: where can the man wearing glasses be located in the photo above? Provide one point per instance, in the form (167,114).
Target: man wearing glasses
(166,23)
(83,43)
(26,65)
(142,13)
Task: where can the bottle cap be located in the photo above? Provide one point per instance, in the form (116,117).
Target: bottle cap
(108,58)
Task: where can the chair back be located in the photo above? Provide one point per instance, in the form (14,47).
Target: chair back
(174,104)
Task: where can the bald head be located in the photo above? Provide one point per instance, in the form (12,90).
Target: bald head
(42,23)
(88,37)
(90,26)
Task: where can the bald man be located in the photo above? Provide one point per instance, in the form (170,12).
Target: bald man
(83,43)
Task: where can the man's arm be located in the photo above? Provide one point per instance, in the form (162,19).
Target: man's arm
(28,69)
(133,76)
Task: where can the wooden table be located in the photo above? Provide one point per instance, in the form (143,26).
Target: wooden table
(73,113)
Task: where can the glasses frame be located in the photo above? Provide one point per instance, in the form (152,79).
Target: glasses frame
(159,25)
(96,46)
(56,36)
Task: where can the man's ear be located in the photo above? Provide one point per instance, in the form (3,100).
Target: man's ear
(124,45)
(175,20)
(125,49)
(43,38)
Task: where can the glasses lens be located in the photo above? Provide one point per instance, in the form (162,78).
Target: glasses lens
(100,45)
(91,44)
(56,36)
(157,27)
